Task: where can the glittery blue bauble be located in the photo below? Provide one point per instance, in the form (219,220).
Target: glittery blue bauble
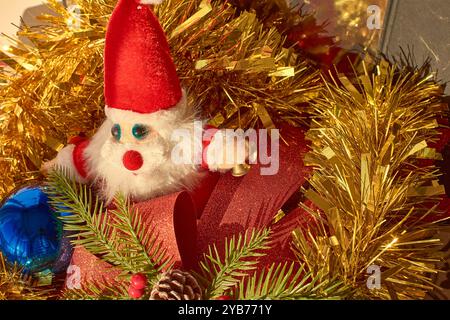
(30,233)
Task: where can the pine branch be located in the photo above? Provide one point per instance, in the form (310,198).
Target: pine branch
(119,236)
(139,237)
(282,282)
(241,255)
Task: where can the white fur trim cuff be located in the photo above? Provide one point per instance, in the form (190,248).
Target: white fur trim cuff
(64,161)
(119,115)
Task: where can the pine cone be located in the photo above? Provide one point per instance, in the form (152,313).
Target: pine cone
(176,285)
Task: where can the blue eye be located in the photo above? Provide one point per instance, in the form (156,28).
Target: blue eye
(140,131)
(116,132)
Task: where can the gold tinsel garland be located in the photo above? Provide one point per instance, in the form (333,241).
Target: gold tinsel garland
(377,198)
(15,286)
(52,91)
(236,70)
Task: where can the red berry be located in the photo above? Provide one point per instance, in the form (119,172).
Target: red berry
(224,298)
(139,281)
(135,293)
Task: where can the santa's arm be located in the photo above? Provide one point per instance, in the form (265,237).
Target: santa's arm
(70,159)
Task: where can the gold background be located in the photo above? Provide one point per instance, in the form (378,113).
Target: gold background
(347,20)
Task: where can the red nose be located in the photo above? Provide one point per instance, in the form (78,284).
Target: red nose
(132,160)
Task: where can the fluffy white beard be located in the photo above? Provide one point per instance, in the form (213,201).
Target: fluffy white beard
(158,175)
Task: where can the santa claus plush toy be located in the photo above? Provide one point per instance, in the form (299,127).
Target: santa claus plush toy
(133,151)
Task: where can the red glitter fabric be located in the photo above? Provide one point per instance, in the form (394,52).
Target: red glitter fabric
(172,218)
(221,207)
(140,75)
(240,204)
(87,268)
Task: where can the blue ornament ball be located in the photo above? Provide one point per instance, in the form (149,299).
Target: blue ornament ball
(30,232)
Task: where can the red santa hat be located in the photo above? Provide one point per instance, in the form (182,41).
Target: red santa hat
(140,76)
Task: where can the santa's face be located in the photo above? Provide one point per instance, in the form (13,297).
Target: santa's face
(136,148)
(132,154)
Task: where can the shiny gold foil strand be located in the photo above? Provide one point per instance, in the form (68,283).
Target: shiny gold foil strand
(372,210)
(43,100)
(250,69)
(15,286)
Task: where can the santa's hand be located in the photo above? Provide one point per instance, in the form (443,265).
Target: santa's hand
(228,150)
(63,161)
(48,167)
